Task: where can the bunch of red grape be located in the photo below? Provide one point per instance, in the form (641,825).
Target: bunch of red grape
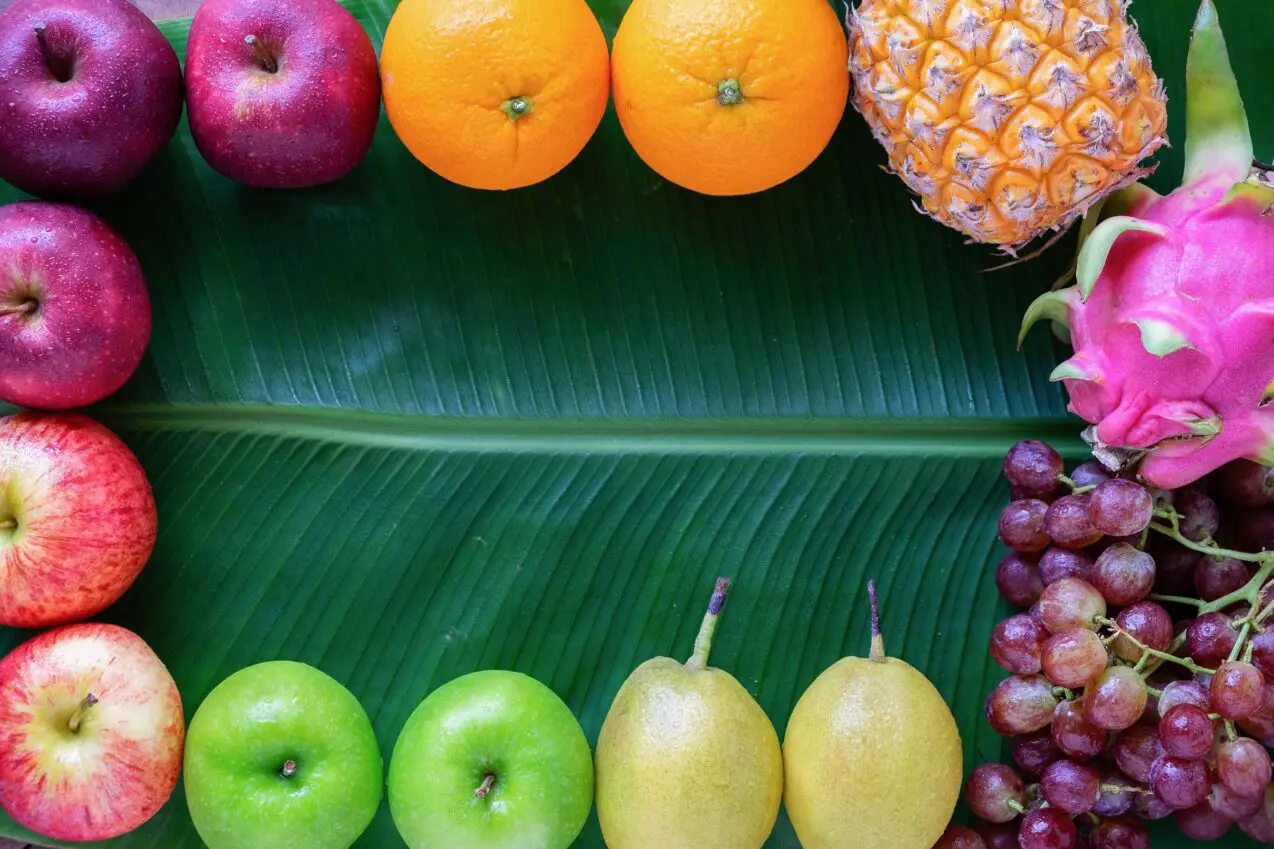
(1139,667)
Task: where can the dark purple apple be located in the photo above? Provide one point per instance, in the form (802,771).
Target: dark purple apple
(74,312)
(90,90)
(282,93)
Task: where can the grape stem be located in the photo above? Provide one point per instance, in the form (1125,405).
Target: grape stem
(1075,488)
(1147,651)
(1172,532)
(1229,730)
(1241,642)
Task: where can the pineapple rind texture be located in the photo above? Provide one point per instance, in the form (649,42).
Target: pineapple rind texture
(1009,118)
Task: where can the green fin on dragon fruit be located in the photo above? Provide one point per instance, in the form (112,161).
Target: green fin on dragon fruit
(1172,312)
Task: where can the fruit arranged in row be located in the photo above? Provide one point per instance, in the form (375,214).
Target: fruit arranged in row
(1142,675)
(286,93)
(280,754)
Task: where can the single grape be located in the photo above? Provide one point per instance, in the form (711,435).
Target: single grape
(1203,823)
(1070,603)
(1124,574)
(1090,473)
(1146,622)
(1136,751)
(1071,786)
(1210,639)
(1215,577)
(1047,828)
(1066,521)
(1033,752)
(1033,466)
(1017,644)
(1180,783)
(1018,579)
(1200,516)
(1075,735)
(1260,825)
(1252,530)
(1022,525)
(958,837)
(1120,833)
(1184,693)
(1120,507)
(1148,806)
(997,835)
(1231,804)
(1073,658)
(1021,704)
(1116,794)
(1174,566)
(1263,653)
(1186,732)
(1243,766)
(1057,563)
(994,792)
(1238,690)
(1245,484)
(1116,699)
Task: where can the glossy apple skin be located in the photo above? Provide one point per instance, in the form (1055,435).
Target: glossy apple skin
(121,766)
(92,319)
(492,721)
(310,122)
(95,132)
(85,517)
(252,724)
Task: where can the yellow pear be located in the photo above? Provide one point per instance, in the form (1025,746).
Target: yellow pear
(686,758)
(872,756)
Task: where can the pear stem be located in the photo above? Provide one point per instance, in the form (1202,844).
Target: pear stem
(488,781)
(877,654)
(80,712)
(262,54)
(58,65)
(703,642)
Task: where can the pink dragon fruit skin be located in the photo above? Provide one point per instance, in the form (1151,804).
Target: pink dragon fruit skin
(1172,319)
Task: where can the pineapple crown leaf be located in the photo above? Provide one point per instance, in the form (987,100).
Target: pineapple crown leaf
(1160,338)
(1097,247)
(1218,139)
(1054,306)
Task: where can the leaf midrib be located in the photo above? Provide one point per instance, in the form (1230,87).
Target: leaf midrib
(756,436)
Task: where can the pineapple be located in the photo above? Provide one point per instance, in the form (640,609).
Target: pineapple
(1008,117)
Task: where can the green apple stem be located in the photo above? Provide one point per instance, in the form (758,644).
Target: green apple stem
(262,54)
(80,712)
(8,525)
(877,654)
(488,781)
(289,768)
(703,642)
(57,64)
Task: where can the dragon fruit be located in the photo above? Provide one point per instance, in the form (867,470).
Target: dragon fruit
(1172,313)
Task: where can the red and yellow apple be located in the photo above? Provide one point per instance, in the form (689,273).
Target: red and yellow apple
(91,732)
(77,519)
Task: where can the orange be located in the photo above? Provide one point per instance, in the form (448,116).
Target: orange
(728,97)
(495,94)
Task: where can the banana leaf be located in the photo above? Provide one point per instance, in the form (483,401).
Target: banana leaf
(402,430)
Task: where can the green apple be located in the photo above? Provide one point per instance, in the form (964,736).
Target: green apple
(281,755)
(492,759)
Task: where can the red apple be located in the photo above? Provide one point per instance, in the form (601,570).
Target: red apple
(74,312)
(77,519)
(90,91)
(91,732)
(281,93)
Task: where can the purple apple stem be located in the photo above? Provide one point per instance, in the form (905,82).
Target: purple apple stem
(56,63)
(262,54)
(703,642)
(877,654)
(488,781)
(289,768)
(80,712)
(19,309)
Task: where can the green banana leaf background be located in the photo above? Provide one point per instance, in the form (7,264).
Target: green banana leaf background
(402,430)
